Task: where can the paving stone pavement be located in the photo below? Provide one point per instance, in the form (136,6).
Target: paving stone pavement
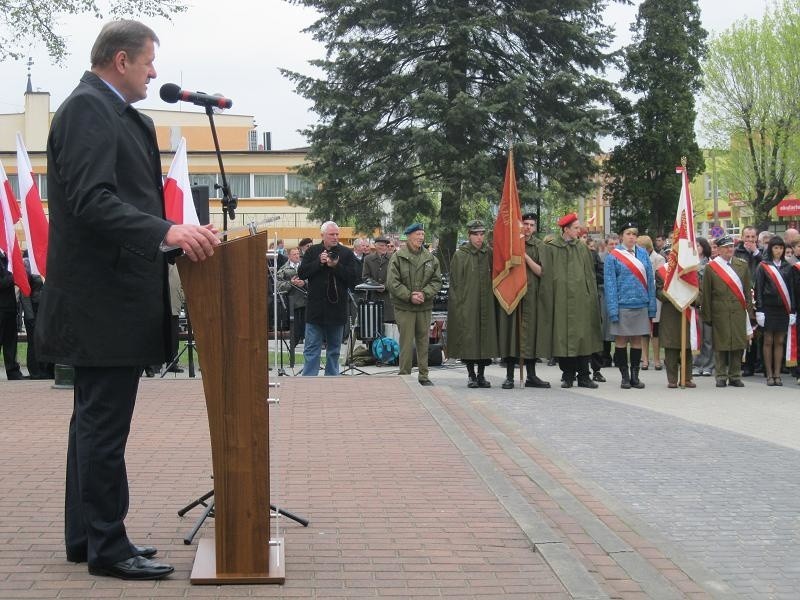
(447,492)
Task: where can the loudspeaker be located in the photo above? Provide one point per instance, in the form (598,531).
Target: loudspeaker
(200,195)
(435,356)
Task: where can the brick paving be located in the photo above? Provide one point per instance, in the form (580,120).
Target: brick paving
(431,492)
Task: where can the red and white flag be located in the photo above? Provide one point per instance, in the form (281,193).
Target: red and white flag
(509,272)
(682,285)
(178,203)
(9,214)
(33,219)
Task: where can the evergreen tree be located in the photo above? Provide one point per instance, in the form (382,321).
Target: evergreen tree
(419,101)
(656,129)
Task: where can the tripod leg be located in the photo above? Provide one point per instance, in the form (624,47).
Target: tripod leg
(198,524)
(201,500)
(288,515)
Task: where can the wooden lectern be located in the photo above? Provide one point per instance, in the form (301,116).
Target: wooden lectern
(227,298)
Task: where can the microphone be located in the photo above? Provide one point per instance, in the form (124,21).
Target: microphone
(171,93)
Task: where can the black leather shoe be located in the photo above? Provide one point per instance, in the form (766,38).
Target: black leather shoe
(735,383)
(535,382)
(482,383)
(146,551)
(508,384)
(149,372)
(472,383)
(567,383)
(136,567)
(425,382)
(721,383)
(587,383)
(598,376)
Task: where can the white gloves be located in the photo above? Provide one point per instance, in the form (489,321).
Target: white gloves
(792,318)
(760,319)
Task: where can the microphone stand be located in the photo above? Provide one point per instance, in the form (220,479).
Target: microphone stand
(229,202)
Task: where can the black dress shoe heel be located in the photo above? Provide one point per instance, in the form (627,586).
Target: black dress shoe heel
(135,567)
(508,384)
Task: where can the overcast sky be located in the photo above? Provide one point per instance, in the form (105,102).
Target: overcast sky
(236,48)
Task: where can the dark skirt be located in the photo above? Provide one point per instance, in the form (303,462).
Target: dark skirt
(775,318)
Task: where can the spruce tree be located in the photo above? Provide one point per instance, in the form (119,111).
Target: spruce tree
(419,99)
(656,127)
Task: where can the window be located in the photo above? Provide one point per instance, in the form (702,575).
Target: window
(299,184)
(240,185)
(209,180)
(269,186)
(42,183)
(14,181)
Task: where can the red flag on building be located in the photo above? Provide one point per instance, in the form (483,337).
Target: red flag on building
(681,285)
(9,214)
(178,204)
(509,273)
(33,220)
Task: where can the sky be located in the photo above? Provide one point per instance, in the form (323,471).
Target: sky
(236,48)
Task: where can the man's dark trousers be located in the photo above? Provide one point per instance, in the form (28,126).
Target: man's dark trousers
(97,482)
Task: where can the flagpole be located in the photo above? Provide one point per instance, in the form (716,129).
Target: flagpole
(684,320)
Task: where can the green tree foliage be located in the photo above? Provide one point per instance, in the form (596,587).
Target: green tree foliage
(656,129)
(24,23)
(752,106)
(419,99)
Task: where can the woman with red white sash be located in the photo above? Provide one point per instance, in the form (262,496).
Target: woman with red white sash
(775,307)
(630,294)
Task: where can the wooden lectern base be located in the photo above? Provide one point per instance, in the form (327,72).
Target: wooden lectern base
(204,571)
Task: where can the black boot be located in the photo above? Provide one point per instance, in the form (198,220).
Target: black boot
(636,357)
(482,383)
(584,375)
(621,360)
(508,384)
(472,381)
(531,379)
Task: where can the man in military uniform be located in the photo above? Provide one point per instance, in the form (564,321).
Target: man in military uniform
(568,301)
(471,306)
(517,331)
(414,279)
(727,307)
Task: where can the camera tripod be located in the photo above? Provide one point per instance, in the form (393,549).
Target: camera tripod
(351,342)
(207,501)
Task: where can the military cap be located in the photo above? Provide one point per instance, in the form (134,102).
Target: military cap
(530,217)
(626,226)
(723,241)
(414,227)
(381,240)
(567,220)
(476,226)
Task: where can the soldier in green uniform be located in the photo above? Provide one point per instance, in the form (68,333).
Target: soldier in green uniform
(471,327)
(518,338)
(568,302)
(727,306)
(413,280)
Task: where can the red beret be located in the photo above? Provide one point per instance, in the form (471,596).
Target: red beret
(567,220)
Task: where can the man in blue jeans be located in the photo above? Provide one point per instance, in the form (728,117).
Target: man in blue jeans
(331,271)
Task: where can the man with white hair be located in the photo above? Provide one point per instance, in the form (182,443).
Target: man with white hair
(331,271)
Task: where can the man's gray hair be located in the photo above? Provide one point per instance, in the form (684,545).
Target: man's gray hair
(125,34)
(325,226)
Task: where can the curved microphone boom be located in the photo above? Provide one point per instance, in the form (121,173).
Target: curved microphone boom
(172,93)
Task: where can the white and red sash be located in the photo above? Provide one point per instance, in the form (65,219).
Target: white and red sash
(633,264)
(783,291)
(725,272)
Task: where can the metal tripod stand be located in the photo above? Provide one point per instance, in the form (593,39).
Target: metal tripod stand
(207,501)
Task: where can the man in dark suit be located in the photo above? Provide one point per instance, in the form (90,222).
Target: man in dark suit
(8,320)
(105,307)
(331,271)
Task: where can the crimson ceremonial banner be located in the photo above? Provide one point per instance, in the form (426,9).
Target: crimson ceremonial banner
(509,273)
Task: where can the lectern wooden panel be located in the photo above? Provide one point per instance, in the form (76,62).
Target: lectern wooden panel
(227,300)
